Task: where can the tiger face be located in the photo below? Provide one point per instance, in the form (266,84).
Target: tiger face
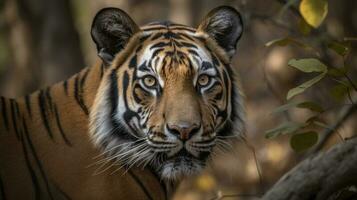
(169,94)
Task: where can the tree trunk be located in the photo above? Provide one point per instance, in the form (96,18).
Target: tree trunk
(319,176)
(44,44)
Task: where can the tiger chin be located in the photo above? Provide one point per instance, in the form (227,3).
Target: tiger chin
(169,92)
(155,106)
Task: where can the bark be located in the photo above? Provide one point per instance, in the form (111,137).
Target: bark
(319,176)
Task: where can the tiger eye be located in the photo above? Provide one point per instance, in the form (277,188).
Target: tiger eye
(203,80)
(149,81)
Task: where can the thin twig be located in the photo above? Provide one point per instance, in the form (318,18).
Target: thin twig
(251,147)
(328,133)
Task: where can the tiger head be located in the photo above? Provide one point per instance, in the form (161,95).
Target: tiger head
(169,94)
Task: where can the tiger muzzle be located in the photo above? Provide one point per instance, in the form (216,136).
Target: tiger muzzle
(184,130)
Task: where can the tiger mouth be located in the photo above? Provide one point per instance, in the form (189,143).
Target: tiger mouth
(185,156)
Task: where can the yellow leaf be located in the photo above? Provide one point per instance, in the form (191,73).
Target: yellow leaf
(314,11)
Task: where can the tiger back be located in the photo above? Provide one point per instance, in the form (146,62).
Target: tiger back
(145,116)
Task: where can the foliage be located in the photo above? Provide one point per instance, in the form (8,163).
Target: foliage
(314,11)
(307,65)
(301,141)
(304,135)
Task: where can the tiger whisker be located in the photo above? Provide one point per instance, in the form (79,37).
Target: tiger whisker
(225,143)
(122,127)
(149,159)
(138,152)
(122,154)
(147,150)
(99,171)
(131,160)
(116,146)
(222,146)
(228,136)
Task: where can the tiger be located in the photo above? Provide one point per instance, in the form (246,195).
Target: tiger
(145,116)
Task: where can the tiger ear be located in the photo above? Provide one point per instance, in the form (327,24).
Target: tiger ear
(224,24)
(111,30)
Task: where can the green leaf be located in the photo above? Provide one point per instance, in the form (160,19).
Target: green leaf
(311,106)
(301,88)
(314,11)
(284,128)
(338,47)
(306,104)
(337,72)
(308,65)
(303,141)
(285,107)
(291,41)
(304,27)
(339,91)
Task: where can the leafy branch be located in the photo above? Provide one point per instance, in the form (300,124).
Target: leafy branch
(303,134)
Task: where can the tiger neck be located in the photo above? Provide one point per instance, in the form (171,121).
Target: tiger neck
(64,101)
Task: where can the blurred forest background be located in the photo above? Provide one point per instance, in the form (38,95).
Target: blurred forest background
(46,41)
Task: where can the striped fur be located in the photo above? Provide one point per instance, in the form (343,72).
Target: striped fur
(46,138)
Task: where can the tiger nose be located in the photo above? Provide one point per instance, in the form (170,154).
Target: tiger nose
(184,131)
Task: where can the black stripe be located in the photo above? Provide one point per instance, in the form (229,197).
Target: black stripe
(133,62)
(128,114)
(66,196)
(142,186)
(189,45)
(14,117)
(83,79)
(101,70)
(162,183)
(206,65)
(157,35)
(172,35)
(160,44)
(139,48)
(79,96)
(43,108)
(2,190)
(4,113)
(186,36)
(143,67)
(233,92)
(183,29)
(58,121)
(65,87)
(32,172)
(143,38)
(154,28)
(37,160)
(157,51)
(114,97)
(49,98)
(28,105)
(81,87)
(191,51)
(164,188)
